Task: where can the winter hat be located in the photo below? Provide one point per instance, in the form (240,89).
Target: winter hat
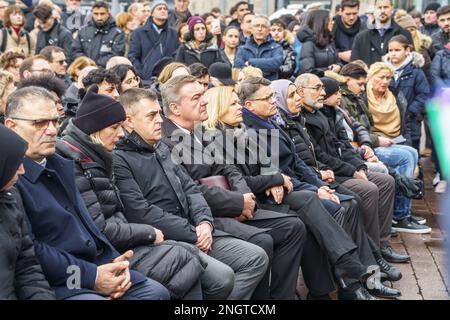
(331,86)
(434,6)
(11,159)
(193,21)
(97,111)
(404,20)
(156,3)
(222,71)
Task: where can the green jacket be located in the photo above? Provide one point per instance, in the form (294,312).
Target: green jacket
(358,109)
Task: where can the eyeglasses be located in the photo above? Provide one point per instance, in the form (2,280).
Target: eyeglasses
(316,88)
(43,124)
(61,62)
(269,97)
(130,80)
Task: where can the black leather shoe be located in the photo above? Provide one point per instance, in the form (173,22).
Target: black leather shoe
(377,289)
(359,294)
(394,257)
(391,273)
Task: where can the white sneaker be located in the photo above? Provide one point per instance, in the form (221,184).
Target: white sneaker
(436,179)
(441,187)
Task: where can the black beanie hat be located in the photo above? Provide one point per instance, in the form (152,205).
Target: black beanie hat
(97,112)
(331,86)
(13,149)
(434,6)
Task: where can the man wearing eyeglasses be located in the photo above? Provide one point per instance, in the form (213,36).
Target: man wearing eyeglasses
(35,66)
(51,32)
(56,57)
(260,50)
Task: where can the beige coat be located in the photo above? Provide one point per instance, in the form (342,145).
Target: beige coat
(13,41)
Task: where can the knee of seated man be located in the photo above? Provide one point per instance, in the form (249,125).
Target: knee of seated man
(265,241)
(257,257)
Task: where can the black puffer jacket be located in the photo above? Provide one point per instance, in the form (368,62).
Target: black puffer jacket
(175,265)
(312,58)
(21,274)
(99,43)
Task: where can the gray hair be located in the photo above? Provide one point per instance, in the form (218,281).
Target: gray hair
(133,95)
(249,87)
(261,16)
(170,91)
(17,99)
(303,80)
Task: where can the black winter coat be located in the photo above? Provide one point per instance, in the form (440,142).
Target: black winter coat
(95,181)
(21,275)
(99,44)
(58,36)
(313,58)
(288,67)
(370,47)
(331,151)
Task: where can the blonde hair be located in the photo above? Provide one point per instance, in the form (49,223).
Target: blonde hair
(6,78)
(219,101)
(377,67)
(168,70)
(361,63)
(235,74)
(252,72)
(79,64)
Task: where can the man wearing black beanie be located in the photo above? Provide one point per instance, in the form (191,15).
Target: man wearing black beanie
(25,280)
(429,20)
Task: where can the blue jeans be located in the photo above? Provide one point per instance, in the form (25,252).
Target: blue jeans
(147,290)
(403,159)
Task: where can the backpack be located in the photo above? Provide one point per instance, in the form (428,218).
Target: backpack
(5,40)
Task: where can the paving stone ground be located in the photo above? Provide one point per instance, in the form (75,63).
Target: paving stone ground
(426,277)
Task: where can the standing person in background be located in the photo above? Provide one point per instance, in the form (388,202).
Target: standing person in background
(153,41)
(346,26)
(180,14)
(240,9)
(429,21)
(231,43)
(3,6)
(318,53)
(285,39)
(246,27)
(127,24)
(51,32)
(71,16)
(27,8)
(371,45)
(13,33)
(260,50)
(136,9)
(100,39)
(442,37)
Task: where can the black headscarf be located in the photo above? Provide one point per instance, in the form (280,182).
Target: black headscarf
(12,151)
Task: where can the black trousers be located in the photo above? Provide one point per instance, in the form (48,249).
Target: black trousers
(288,241)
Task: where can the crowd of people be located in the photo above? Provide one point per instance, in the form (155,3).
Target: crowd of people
(163,155)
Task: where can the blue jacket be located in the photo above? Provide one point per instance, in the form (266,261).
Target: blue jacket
(63,231)
(268,57)
(440,69)
(147,47)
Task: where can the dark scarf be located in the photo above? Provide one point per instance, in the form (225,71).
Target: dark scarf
(254,117)
(11,159)
(353,30)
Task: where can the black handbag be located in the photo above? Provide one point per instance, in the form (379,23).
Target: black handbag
(409,187)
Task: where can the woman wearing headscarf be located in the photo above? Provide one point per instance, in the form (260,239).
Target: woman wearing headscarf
(89,140)
(21,275)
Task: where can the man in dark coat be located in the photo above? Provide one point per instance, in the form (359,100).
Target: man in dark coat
(429,21)
(77,260)
(180,14)
(346,26)
(260,50)
(153,41)
(372,44)
(51,32)
(21,274)
(100,39)
(442,37)
(71,16)
(172,202)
